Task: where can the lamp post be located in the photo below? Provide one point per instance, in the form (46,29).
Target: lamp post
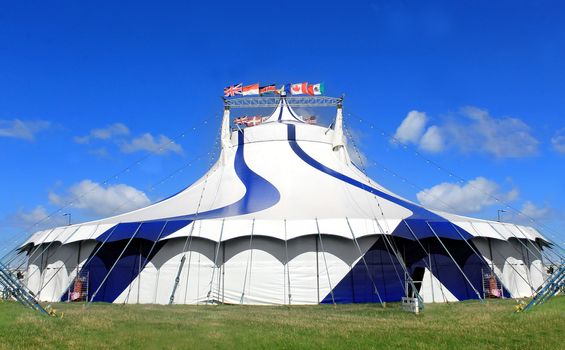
(498,213)
(69,215)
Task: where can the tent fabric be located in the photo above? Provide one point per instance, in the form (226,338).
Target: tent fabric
(283,217)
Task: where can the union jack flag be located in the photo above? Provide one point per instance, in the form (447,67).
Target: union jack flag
(240,120)
(233,90)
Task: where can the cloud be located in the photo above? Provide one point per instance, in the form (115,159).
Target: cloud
(116,129)
(95,199)
(531,211)
(119,133)
(471,130)
(432,140)
(558,141)
(412,127)
(37,218)
(471,197)
(21,129)
(146,142)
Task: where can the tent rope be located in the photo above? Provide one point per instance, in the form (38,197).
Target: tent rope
(114,265)
(325,262)
(249,260)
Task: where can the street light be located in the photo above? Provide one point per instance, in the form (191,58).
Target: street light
(498,213)
(69,215)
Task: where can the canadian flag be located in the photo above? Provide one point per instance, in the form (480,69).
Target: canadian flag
(299,89)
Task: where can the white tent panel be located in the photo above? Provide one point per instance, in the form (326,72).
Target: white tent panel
(433,291)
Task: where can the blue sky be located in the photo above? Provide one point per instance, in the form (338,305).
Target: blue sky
(87,89)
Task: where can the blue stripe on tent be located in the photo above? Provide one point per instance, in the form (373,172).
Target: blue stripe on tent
(419,215)
(149,230)
(281,111)
(259,195)
(356,286)
(291,113)
(127,268)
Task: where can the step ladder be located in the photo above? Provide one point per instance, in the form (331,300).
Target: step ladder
(18,291)
(554,283)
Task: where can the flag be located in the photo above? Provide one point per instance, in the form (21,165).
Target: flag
(240,120)
(252,121)
(299,89)
(310,120)
(250,90)
(233,90)
(281,90)
(269,89)
(316,89)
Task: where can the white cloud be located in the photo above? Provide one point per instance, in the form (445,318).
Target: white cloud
(37,218)
(471,197)
(432,140)
(411,128)
(504,137)
(531,211)
(116,129)
(146,142)
(95,199)
(558,141)
(472,130)
(20,129)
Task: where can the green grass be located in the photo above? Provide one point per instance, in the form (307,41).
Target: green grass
(466,325)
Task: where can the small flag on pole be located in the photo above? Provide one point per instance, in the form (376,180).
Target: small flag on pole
(240,120)
(310,120)
(268,90)
(250,90)
(233,90)
(299,89)
(316,89)
(256,120)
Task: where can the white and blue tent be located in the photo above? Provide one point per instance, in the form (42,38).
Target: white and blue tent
(284,217)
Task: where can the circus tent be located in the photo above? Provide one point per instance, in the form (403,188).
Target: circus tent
(284,217)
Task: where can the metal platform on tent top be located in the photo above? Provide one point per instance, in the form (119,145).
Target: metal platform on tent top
(273,101)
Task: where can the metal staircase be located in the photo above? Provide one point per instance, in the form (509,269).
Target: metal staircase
(554,283)
(18,291)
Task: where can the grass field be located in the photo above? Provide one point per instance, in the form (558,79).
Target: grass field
(466,325)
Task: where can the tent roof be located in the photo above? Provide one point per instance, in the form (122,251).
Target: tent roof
(283,179)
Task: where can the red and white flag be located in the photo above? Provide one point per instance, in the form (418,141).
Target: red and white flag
(299,89)
(250,90)
(256,120)
(240,120)
(233,90)
(310,120)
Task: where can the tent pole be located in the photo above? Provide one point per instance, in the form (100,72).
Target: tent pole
(426,252)
(479,255)
(249,259)
(317,272)
(325,261)
(145,262)
(215,262)
(115,263)
(402,262)
(190,258)
(431,279)
(356,243)
(93,255)
(513,247)
(223,270)
(287,262)
(455,262)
